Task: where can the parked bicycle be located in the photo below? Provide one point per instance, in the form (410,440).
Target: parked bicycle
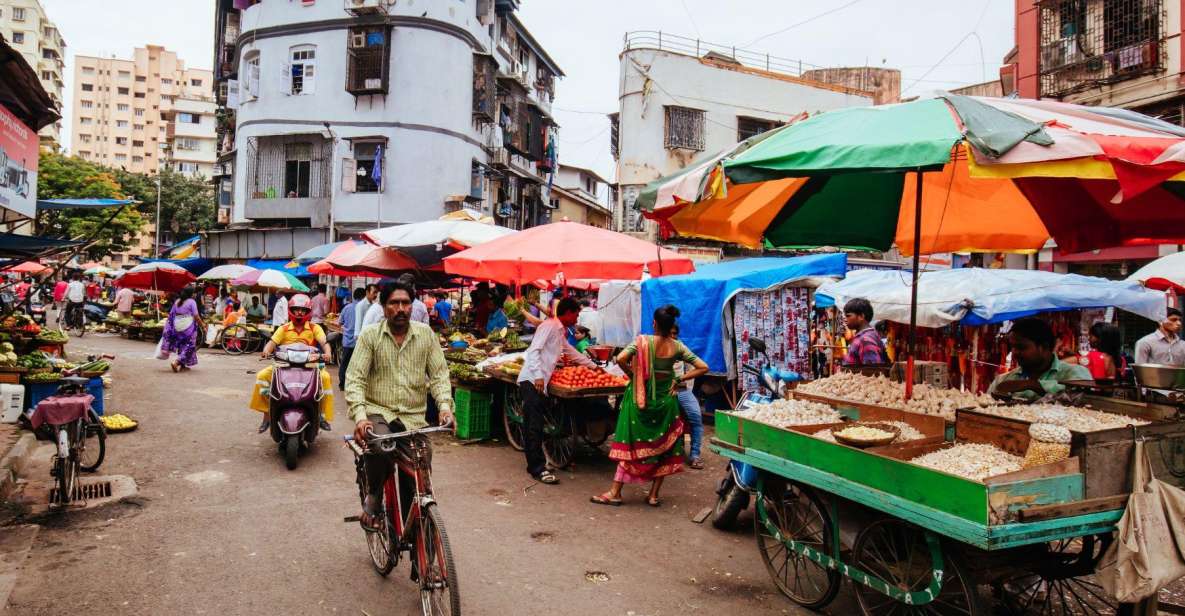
(240,338)
(421,532)
(70,419)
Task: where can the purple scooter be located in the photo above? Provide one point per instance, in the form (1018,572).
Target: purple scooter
(295,397)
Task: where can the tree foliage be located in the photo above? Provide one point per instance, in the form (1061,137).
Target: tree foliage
(187,204)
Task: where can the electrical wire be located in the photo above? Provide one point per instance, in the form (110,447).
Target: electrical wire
(802,23)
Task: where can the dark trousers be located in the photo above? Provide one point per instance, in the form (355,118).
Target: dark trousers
(343,364)
(533,406)
(380,465)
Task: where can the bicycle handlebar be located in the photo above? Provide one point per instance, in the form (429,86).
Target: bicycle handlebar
(379,438)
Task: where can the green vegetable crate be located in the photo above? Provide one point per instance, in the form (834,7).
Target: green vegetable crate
(473,410)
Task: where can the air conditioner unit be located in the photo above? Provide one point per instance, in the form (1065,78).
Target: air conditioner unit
(358,40)
(368,7)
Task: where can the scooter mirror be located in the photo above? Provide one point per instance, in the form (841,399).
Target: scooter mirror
(757,345)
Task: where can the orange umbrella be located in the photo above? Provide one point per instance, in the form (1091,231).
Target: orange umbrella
(27,267)
(742,216)
(360,259)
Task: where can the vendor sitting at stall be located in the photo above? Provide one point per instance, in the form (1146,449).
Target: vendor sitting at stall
(1039,371)
(866,347)
(297,330)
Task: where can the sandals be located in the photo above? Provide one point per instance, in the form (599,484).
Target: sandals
(547,477)
(654,502)
(603,499)
(697,464)
(175,366)
(370,522)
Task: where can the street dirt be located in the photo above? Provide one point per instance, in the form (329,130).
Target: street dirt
(221,527)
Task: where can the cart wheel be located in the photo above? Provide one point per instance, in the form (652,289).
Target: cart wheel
(236,340)
(559,445)
(903,556)
(1061,582)
(512,418)
(798,514)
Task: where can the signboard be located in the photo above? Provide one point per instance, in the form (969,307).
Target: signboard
(699,255)
(18,165)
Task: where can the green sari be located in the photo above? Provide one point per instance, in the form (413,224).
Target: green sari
(648,442)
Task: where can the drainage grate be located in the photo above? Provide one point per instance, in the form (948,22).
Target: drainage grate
(85,491)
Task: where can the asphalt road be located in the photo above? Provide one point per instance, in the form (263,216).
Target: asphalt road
(221,527)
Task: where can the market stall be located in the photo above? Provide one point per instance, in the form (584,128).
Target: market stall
(556,252)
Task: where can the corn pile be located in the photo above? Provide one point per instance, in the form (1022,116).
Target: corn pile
(784,413)
(879,390)
(1076,418)
(908,433)
(1047,443)
(975,461)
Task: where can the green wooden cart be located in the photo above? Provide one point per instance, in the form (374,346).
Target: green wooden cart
(917,540)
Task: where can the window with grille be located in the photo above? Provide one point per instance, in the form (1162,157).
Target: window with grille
(1086,43)
(122,107)
(302,70)
(18,14)
(685,128)
(368,67)
(751,127)
(364,157)
(86,104)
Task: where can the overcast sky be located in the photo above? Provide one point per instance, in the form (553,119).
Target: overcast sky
(585,37)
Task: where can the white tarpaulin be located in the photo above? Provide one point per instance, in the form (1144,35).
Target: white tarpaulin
(977,296)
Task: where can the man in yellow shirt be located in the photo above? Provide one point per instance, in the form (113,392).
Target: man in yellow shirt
(298,330)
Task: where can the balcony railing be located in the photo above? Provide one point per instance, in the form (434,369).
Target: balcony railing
(1087,43)
(664,41)
(368,70)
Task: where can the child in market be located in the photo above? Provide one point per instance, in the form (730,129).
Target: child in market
(583,338)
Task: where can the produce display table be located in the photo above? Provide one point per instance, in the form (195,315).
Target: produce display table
(570,414)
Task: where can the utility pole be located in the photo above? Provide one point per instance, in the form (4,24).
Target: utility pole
(156,223)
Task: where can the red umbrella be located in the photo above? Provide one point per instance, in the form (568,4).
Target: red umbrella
(156,276)
(352,259)
(570,249)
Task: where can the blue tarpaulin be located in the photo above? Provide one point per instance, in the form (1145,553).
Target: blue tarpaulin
(702,296)
(196,266)
(282,265)
(978,296)
(69,204)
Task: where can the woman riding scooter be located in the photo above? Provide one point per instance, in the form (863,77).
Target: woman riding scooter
(298,330)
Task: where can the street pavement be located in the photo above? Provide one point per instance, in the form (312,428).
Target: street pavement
(221,527)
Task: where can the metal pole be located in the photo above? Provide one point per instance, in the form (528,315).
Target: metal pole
(156,252)
(913,291)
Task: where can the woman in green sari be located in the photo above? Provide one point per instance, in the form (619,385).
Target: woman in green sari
(648,442)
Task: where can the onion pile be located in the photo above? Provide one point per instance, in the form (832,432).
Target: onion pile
(974,461)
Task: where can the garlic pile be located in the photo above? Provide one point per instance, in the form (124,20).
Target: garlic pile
(908,433)
(1076,418)
(784,413)
(879,390)
(864,433)
(975,461)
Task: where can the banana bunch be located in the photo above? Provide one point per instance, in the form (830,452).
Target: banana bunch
(119,421)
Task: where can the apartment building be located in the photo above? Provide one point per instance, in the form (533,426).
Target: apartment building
(25,26)
(682,99)
(450,101)
(144,113)
(581,195)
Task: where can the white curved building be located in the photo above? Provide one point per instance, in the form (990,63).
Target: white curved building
(317,88)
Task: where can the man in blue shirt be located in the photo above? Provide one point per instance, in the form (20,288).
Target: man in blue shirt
(349,336)
(444,309)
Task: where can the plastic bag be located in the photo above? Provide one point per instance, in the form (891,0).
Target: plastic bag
(161,353)
(1149,553)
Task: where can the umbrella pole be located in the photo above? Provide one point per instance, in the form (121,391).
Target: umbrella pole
(913,291)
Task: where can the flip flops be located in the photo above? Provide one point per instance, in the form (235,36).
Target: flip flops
(602,499)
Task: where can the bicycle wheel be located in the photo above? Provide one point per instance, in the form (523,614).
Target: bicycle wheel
(93,448)
(512,419)
(236,340)
(379,544)
(66,468)
(439,593)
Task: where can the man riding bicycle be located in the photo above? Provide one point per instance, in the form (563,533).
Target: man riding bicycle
(75,301)
(395,364)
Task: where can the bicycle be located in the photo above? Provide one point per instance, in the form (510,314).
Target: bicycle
(422,531)
(81,441)
(76,318)
(239,338)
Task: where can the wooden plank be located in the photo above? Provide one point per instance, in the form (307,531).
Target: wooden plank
(1006,499)
(1007,434)
(1064,510)
(1069,466)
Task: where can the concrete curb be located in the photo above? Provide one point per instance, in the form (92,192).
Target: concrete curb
(14,461)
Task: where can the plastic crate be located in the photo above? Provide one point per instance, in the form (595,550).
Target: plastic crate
(36,392)
(473,410)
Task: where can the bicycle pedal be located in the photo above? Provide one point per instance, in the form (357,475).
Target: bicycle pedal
(352,518)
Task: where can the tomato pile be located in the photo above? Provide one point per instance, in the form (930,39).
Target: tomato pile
(579,377)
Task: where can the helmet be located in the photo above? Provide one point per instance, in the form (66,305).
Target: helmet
(300,300)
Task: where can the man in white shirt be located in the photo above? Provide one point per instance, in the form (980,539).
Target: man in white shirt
(362,307)
(549,344)
(280,312)
(419,310)
(75,300)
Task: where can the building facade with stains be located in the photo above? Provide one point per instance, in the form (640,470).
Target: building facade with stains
(683,99)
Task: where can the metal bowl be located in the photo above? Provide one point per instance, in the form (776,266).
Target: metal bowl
(1160,376)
